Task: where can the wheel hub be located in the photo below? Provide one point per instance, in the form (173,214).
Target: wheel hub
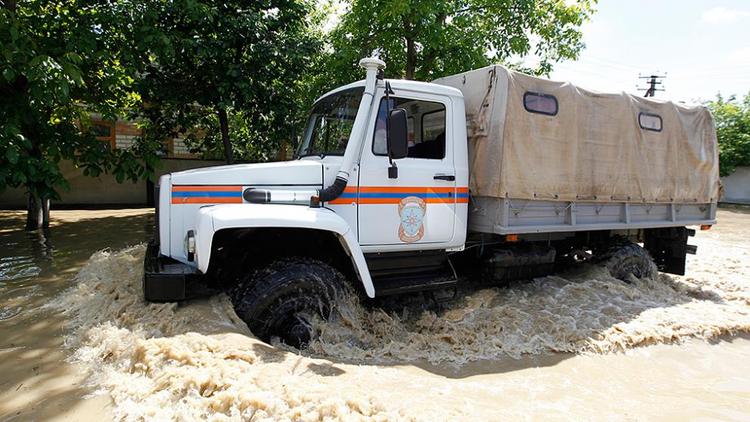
(296,330)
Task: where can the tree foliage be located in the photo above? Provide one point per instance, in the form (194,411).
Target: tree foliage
(732,118)
(200,61)
(249,143)
(425,40)
(58,68)
(181,67)
(209,71)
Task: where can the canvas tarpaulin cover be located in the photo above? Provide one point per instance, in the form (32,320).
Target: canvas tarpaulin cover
(594,147)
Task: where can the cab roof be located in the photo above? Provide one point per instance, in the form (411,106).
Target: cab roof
(404,85)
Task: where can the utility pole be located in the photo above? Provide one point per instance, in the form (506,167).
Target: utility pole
(653,81)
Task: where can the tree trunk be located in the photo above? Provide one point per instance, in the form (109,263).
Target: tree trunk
(45,214)
(411,58)
(224,122)
(10,5)
(37,213)
(37,210)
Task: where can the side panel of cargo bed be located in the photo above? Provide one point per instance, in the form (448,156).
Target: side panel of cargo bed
(510,216)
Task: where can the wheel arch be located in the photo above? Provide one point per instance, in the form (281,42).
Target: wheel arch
(225,231)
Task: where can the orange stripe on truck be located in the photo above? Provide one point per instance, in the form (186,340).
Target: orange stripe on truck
(207,200)
(207,188)
(207,194)
(399,189)
(232,194)
(394,194)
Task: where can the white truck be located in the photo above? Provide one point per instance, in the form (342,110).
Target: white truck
(402,186)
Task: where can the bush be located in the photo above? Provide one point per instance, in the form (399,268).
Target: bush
(733,131)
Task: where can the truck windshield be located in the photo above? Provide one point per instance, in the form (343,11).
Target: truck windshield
(330,124)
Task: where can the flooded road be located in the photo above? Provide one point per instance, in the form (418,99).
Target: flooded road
(576,345)
(36,381)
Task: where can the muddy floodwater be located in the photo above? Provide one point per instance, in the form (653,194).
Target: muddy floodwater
(77,342)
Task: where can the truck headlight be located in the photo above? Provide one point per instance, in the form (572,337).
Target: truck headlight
(190,245)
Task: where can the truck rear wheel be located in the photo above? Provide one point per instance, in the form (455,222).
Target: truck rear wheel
(283,298)
(624,257)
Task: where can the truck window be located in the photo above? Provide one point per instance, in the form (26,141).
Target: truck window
(330,123)
(535,102)
(433,124)
(650,121)
(425,141)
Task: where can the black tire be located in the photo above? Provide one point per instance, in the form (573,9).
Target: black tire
(282,298)
(623,258)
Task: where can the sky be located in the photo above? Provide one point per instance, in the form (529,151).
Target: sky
(702,46)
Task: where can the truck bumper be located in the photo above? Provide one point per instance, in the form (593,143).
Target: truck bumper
(164,279)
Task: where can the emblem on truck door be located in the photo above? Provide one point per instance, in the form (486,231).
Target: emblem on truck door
(411,210)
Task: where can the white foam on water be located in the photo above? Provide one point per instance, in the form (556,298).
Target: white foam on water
(198,360)
(587,312)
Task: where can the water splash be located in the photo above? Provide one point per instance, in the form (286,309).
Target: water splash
(198,360)
(583,312)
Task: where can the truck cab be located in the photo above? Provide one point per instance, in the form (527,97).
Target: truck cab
(423,205)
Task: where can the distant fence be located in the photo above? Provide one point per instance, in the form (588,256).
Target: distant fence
(737,186)
(103,190)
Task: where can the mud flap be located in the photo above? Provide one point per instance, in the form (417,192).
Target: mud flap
(668,247)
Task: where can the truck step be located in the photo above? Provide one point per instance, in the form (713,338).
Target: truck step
(404,272)
(399,285)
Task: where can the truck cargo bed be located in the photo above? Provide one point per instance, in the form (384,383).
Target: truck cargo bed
(511,216)
(549,156)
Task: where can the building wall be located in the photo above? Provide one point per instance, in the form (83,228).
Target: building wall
(737,186)
(179,149)
(103,190)
(125,134)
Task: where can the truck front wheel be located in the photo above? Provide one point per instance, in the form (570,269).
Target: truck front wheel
(283,299)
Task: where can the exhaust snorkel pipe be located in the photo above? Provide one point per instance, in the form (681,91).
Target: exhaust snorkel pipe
(334,191)
(372,66)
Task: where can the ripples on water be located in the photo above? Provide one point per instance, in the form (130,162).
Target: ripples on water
(38,263)
(18,267)
(7,313)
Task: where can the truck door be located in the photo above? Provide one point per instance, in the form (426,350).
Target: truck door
(418,207)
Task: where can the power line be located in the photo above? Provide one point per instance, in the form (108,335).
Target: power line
(611,63)
(653,81)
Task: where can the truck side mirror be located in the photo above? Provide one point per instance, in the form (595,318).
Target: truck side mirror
(398,146)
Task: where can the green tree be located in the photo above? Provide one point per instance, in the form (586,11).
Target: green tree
(201,60)
(732,118)
(58,68)
(248,143)
(424,40)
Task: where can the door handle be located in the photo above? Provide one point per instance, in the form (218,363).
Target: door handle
(446,177)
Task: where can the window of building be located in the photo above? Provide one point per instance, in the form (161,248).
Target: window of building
(105,132)
(425,141)
(535,102)
(650,121)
